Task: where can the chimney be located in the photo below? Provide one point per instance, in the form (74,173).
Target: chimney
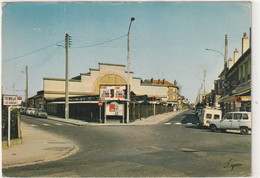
(230,63)
(159,81)
(163,81)
(235,56)
(244,43)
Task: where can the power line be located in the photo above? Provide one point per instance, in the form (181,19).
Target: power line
(27,54)
(100,43)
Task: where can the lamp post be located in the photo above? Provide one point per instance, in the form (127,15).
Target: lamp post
(225,62)
(128,68)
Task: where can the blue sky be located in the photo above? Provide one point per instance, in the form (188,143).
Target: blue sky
(167,40)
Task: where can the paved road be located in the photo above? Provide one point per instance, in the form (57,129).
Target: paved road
(174,149)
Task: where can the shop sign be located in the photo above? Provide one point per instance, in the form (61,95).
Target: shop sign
(225,85)
(9,100)
(113,92)
(114,109)
(234,83)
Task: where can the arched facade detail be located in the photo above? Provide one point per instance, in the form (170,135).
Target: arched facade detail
(109,79)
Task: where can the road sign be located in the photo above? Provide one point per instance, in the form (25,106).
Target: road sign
(10,100)
(154,98)
(100,103)
(238,99)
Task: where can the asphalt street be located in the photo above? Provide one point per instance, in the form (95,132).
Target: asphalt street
(176,148)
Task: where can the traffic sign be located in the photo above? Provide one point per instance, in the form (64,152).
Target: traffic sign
(9,100)
(238,99)
(100,103)
(154,98)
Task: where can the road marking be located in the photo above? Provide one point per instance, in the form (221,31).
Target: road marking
(46,124)
(177,123)
(168,123)
(33,125)
(58,124)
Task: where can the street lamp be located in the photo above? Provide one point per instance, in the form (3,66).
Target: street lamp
(128,72)
(208,49)
(225,62)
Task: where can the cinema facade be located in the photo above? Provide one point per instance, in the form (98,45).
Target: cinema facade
(107,84)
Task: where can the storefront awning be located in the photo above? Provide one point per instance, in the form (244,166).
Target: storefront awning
(232,97)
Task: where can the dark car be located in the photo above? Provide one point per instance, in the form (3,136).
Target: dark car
(23,110)
(41,113)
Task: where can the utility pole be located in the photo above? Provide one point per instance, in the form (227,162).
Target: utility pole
(225,64)
(204,82)
(128,70)
(67,45)
(26,88)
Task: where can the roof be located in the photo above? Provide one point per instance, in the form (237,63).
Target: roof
(160,83)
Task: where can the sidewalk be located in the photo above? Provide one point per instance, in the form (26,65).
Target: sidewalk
(37,146)
(152,120)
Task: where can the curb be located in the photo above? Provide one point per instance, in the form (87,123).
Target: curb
(130,124)
(72,151)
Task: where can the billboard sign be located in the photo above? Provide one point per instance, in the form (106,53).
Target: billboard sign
(10,100)
(112,92)
(115,109)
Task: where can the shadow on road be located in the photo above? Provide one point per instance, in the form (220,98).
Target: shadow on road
(190,118)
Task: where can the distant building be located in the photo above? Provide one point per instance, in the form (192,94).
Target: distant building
(173,89)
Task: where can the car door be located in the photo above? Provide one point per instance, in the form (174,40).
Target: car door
(236,120)
(226,122)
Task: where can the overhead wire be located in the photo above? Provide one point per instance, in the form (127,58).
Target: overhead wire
(27,54)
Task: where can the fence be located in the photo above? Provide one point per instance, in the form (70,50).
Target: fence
(15,124)
(90,111)
(143,110)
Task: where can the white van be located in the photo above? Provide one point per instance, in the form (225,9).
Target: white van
(209,115)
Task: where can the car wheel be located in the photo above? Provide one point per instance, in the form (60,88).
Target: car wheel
(244,130)
(213,128)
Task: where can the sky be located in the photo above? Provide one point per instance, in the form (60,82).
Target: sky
(167,40)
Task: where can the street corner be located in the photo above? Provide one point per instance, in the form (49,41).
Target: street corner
(38,147)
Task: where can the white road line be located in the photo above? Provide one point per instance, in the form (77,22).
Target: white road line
(168,123)
(46,124)
(177,123)
(33,125)
(58,124)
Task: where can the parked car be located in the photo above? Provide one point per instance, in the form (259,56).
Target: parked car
(209,115)
(23,110)
(198,112)
(30,111)
(233,121)
(41,113)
